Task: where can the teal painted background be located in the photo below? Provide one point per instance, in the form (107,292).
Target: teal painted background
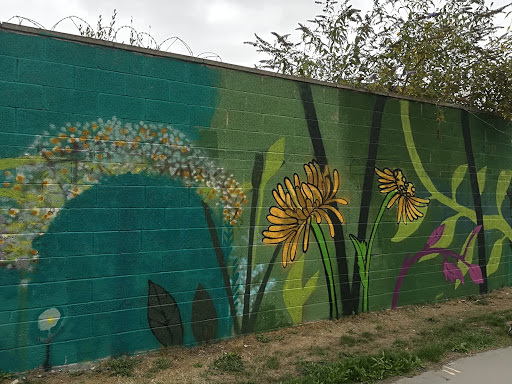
(194,222)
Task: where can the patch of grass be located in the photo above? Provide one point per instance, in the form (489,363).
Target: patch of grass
(399,344)
(122,366)
(230,362)
(158,365)
(433,352)
(432,320)
(263,338)
(272,363)
(367,336)
(317,351)
(357,369)
(347,340)
(198,365)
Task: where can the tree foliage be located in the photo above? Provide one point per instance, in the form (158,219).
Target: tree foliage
(453,51)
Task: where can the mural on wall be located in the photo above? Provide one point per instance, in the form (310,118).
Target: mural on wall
(229,249)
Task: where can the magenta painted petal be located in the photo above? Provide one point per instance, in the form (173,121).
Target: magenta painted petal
(452,272)
(477,229)
(435,236)
(476,274)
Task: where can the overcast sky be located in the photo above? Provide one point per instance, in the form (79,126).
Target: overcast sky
(220,26)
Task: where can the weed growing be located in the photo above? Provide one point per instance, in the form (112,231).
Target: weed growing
(123,366)
(230,362)
(347,340)
(272,363)
(357,369)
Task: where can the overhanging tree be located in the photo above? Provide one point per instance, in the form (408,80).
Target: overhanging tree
(453,51)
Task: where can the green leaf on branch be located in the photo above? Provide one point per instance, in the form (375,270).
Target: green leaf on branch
(480,175)
(495,257)
(458,176)
(501,188)
(404,231)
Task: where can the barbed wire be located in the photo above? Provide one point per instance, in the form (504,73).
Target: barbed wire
(111,33)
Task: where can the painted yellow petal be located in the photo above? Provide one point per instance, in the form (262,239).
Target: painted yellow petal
(324,215)
(416,211)
(306,235)
(387,190)
(295,242)
(408,211)
(336,181)
(337,200)
(296,180)
(300,197)
(281,192)
(291,191)
(267,240)
(400,207)
(385,173)
(286,249)
(278,199)
(419,202)
(277,235)
(392,201)
(278,212)
(316,215)
(317,196)
(281,228)
(307,191)
(335,211)
(281,220)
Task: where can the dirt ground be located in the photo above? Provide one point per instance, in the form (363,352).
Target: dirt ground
(270,356)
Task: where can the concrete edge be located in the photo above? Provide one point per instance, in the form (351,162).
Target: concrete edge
(212,63)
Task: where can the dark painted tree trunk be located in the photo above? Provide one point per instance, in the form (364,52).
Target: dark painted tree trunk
(477,199)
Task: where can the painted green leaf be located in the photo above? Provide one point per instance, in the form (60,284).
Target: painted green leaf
(361,249)
(480,175)
(495,257)
(294,294)
(205,321)
(501,188)
(447,238)
(273,161)
(164,316)
(457,177)
(469,257)
(12,163)
(404,231)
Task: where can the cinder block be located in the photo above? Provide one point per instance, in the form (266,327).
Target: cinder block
(112,196)
(7,68)
(117,242)
(166,112)
(147,87)
(121,106)
(44,73)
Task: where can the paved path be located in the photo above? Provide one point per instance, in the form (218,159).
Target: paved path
(492,367)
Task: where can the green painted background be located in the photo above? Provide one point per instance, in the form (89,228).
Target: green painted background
(100,250)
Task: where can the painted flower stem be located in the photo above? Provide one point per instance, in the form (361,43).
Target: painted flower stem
(366,282)
(329,276)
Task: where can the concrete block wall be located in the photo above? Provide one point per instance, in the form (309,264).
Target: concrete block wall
(150,199)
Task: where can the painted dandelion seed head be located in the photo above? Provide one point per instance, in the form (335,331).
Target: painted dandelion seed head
(299,203)
(395,182)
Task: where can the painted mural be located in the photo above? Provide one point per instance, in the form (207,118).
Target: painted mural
(172,203)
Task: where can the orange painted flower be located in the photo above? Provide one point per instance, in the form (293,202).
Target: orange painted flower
(391,181)
(298,205)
